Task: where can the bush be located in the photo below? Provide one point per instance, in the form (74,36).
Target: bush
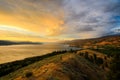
(105,57)
(28,74)
(99,61)
(95,57)
(81,54)
(114,73)
(91,59)
(86,56)
(106,64)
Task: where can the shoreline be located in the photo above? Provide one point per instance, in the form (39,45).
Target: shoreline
(20,52)
(9,67)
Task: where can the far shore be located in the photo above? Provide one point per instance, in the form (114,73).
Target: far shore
(18,52)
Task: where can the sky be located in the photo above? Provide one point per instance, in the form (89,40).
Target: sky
(56,20)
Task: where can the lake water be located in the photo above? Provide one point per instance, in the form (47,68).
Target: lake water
(18,52)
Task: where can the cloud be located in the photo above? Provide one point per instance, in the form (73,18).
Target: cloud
(45,15)
(12,29)
(113,7)
(61,18)
(83,16)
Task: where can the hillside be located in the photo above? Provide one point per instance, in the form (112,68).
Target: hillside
(96,42)
(69,66)
(94,63)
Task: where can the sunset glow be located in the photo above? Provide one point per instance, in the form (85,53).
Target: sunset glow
(56,20)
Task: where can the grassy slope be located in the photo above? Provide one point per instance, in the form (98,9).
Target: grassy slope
(106,60)
(107,40)
(59,67)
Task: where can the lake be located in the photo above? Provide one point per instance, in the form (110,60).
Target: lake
(17,52)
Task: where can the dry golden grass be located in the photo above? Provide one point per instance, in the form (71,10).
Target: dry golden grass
(98,55)
(67,66)
(108,40)
(91,52)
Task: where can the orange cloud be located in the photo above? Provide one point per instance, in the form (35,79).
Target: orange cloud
(41,21)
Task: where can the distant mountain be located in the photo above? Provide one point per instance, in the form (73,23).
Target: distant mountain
(113,33)
(6,42)
(106,40)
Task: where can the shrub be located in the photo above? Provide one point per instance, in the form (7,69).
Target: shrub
(86,56)
(99,61)
(114,73)
(105,57)
(106,64)
(95,57)
(28,74)
(81,54)
(91,59)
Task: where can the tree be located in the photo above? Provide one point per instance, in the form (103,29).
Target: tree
(99,61)
(95,57)
(114,73)
(86,56)
(28,74)
(91,59)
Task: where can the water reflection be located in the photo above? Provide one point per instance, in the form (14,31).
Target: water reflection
(17,52)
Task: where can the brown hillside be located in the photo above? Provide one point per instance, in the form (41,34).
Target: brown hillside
(108,40)
(64,67)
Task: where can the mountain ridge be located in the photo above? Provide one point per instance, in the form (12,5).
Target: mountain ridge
(113,40)
(7,42)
